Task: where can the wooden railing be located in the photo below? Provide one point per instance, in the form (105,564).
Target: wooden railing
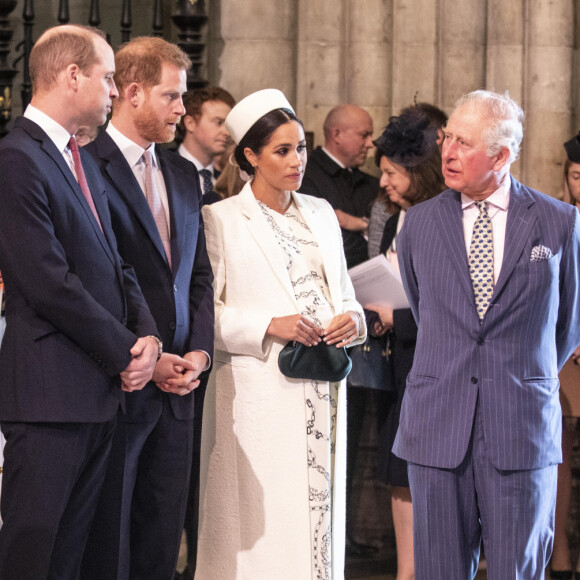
(189,16)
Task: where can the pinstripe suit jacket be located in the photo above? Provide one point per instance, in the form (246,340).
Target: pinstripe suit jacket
(507,365)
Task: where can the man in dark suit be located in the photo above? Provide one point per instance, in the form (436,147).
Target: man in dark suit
(491,271)
(205,136)
(333,173)
(74,313)
(137,530)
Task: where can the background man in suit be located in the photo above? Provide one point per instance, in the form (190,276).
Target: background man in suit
(491,271)
(333,174)
(74,312)
(205,136)
(137,530)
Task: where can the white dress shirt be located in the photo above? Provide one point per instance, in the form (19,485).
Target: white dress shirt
(187,155)
(56,133)
(133,153)
(497,210)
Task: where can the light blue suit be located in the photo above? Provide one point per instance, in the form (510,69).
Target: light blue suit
(490,386)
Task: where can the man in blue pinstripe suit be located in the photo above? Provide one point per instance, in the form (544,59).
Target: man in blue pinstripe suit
(481,421)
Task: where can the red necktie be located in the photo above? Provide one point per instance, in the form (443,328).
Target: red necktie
(81,178)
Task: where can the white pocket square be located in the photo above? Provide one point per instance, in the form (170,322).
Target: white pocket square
(540,253)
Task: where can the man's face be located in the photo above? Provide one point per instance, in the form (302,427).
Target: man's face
(208,132)
(97,88)
(466,165)
(353,138)
(162,107)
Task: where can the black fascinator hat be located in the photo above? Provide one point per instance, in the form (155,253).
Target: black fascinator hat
(408,140)
(573,149)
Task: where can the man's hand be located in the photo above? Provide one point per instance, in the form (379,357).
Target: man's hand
(386,319)
(350,222)
(177,375)
(140,370)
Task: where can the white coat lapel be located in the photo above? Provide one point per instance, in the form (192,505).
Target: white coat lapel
(262,234)
(328,245)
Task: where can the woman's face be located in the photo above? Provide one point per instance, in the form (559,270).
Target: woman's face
(574,182)
(281,163)
(396,181)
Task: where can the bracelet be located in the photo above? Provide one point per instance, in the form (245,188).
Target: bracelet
(159,344)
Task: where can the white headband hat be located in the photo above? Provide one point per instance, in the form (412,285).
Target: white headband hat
(254,107)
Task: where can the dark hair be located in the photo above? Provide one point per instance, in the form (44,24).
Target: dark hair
(437,117)
(193,100)
(260,133)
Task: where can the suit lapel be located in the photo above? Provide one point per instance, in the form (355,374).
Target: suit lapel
(520,221)
(262,234)
(128,188)
(177,211)
(450,221)
(50,148)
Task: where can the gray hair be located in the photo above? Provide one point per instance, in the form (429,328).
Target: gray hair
(506,116)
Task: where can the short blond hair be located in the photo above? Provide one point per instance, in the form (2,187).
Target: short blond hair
(141,61)
(58,48)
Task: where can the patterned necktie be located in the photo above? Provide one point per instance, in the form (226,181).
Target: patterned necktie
(155,204)
(81,178)
(481,259)
(207,182)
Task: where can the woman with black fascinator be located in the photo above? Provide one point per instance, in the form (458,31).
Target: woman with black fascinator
(410,163)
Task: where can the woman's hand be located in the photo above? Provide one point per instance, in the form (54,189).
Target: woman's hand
(343,329)
(576,356)
(385,314)
(295,327)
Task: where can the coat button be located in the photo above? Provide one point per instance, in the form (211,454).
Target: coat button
(172,325)
(474,380)
(480,341)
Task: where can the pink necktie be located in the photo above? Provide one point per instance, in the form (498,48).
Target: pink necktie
(155,205)
(81,178)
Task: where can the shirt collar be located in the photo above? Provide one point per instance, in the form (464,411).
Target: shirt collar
(500,198)
(339,163)
(182,150)
(56,132)
(130,150)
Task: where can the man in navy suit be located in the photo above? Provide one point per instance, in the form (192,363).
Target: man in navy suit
(74,313)
(481,421)
(137,530)
(205,136)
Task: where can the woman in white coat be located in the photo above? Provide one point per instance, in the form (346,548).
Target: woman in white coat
(273,460)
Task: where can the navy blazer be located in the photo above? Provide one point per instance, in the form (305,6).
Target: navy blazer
(507,366)
(181,297)
(70,301)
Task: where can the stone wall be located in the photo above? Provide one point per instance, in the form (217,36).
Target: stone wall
(382,54)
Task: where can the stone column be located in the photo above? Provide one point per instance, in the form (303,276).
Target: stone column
(461,49)
(415,65)
(505,52)
(547,92)
(321,77)
(259,46)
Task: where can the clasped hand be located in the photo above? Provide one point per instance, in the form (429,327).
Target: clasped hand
(342,330)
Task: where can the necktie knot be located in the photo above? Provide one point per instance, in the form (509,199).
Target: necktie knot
(73,145)
(81,177)
(482,207)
